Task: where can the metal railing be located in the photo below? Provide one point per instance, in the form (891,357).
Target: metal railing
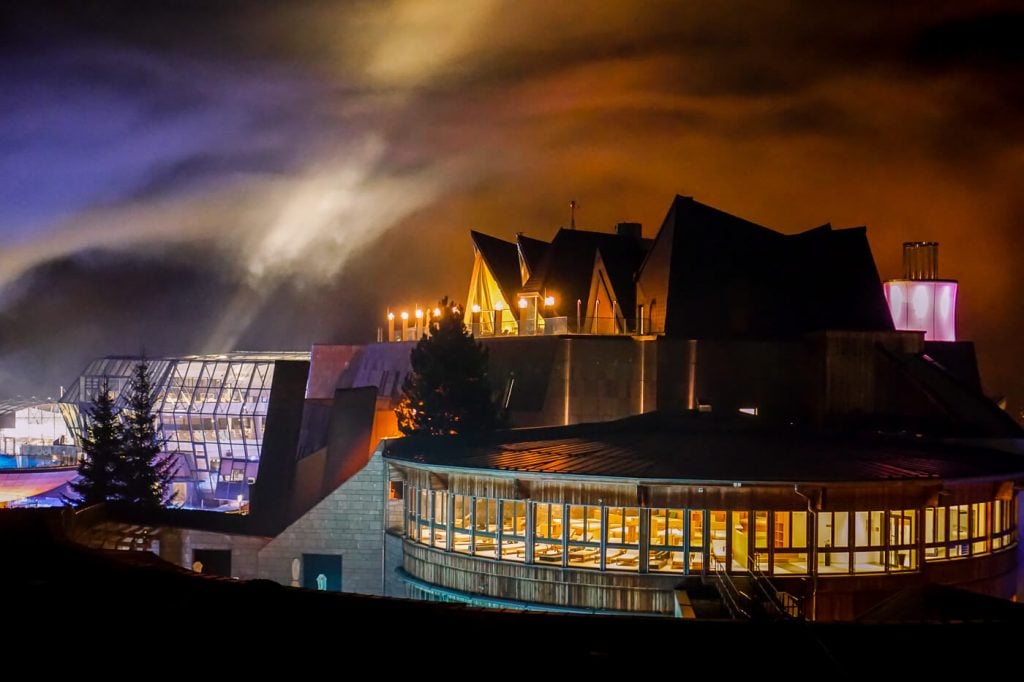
(555,325)
(783,603)
(731,595)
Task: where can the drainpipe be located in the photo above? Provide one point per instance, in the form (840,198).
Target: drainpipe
(812,553)
(691,379)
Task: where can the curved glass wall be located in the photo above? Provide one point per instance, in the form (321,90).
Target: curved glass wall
(695,541)
(210,409)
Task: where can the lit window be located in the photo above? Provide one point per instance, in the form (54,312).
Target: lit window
(395,490)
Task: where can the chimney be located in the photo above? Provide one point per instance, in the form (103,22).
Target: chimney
(920,260)
(631,230)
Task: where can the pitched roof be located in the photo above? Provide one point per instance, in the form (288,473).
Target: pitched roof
(533,250)
(831,276)
(622,262)
(728,276)
(502,258)
(568,264)
(704,448)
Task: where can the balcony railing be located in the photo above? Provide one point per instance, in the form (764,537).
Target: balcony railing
(552,326)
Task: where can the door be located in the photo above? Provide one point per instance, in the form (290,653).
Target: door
(212,562)
(321,572)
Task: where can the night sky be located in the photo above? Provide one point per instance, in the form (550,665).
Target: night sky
(201,176)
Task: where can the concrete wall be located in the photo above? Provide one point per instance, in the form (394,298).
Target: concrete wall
(348,522)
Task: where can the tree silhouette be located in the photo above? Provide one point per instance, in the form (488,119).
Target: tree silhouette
(101,443)
(448,390)
(143,472)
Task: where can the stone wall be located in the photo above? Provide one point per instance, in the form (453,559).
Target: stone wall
(177,546)
(349,522)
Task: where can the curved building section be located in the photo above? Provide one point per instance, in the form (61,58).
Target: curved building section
(616,516)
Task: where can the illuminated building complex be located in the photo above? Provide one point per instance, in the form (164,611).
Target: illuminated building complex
(722,403)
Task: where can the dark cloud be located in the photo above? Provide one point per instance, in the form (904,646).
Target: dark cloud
(985,41)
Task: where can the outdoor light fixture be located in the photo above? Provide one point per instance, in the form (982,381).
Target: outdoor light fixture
(549,301)
(405,315)
(522,303)
(476,308)
(419,313)
(391,316)
(437,312)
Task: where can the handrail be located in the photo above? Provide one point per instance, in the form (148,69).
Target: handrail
(773,596)
(730,593)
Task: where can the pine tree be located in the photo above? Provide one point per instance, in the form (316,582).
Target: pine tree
(101,443)
(448,390)
(144,472)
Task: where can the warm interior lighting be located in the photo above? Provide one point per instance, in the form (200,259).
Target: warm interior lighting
(522,303)
(499,306)
(549,301)
(419,313)
(476,308)
(405,315)
(455,310)
(391,316)
(437,312)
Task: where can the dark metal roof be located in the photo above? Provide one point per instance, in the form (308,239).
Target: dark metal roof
(533,250)
(622,263)
(502,258)
(568,264)
(727,276)
(703,447)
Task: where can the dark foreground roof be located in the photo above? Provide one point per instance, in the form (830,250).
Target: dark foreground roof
(705,448)
(89,611)
(943,604)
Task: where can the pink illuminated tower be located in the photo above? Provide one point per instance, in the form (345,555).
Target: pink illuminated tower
(921,301)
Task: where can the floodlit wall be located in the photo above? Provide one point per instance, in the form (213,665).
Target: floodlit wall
(348,523)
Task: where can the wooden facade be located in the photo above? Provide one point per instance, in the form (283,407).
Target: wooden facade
(603,591)
(643,589)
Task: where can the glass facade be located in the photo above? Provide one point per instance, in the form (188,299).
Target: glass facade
(695,541)
(210,409)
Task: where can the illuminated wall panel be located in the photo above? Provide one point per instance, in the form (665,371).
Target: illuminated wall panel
(923,305)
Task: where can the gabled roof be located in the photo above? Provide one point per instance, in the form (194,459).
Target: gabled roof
(532,250)
(622,262)
(568,264)
(502,259)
